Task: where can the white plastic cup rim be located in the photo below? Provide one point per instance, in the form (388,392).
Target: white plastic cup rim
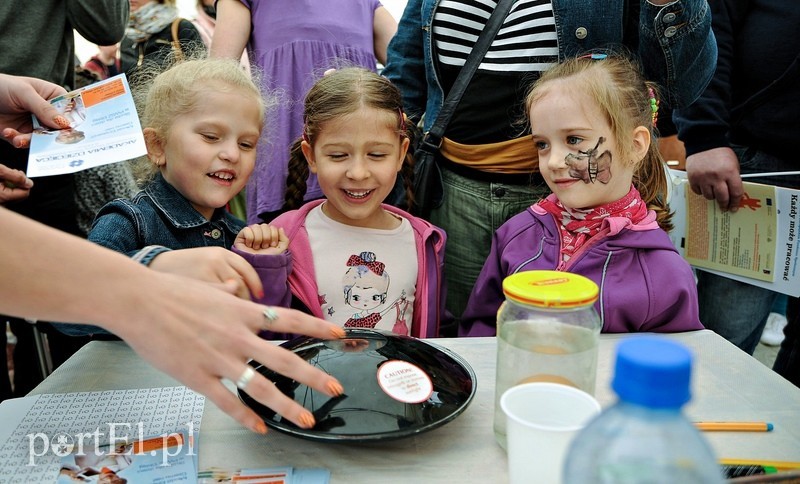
(554,389)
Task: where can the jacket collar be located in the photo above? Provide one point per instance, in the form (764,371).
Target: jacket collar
(177,209)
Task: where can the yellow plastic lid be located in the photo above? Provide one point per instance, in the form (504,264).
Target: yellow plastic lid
(550,289)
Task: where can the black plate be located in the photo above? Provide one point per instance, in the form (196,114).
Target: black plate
(421,388)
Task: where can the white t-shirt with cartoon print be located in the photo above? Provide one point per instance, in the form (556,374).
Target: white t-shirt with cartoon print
(366,277)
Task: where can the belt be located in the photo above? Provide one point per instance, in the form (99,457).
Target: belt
(519,179)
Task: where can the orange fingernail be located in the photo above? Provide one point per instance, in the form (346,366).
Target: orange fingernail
(334,388)
(306,420)
(338,332)
(61,121)
(260,428)
(22,144)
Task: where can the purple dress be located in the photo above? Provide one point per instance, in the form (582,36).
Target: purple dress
(294,43)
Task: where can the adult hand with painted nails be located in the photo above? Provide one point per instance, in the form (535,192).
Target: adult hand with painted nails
(14,185)
(221,340)
(195,331)
(21,96)
(212,264)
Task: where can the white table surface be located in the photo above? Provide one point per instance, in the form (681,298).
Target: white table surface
(727,384)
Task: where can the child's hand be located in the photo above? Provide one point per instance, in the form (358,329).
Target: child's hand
(262,239)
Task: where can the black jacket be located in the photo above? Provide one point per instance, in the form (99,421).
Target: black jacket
(753,98)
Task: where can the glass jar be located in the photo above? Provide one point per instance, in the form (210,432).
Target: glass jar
(547,330)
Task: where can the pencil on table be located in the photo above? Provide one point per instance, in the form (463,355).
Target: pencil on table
(775,464)
(735,426)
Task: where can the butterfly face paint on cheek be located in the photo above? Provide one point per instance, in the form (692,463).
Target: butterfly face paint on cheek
(588,166)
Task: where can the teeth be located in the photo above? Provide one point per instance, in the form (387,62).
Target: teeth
(359,194)
(222,176)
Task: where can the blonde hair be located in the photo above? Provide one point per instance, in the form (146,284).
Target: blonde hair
(335,95)
(623,95)
(177,91)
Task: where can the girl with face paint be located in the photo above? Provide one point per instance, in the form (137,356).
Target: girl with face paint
(592,123)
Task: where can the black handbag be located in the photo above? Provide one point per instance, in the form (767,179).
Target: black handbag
(428,191)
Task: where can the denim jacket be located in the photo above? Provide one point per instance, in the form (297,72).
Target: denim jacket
(158,219)
(675,46)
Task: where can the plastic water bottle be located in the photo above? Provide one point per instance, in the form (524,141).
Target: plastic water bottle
(644,437)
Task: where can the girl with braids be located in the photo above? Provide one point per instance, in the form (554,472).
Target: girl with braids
(329,257)
(592,121)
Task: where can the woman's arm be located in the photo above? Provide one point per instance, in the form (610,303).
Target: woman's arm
(51,275)
(101,22)
(405,63)
(232,30)
(384,26)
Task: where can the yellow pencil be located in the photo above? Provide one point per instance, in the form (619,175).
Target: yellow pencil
(777,464)
(735,426)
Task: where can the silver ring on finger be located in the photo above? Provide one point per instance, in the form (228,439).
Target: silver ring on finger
(245,378)
(270,316)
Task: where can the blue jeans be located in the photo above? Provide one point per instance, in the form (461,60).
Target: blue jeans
(736,310)
(471,212)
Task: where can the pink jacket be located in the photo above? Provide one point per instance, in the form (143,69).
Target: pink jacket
(289,279)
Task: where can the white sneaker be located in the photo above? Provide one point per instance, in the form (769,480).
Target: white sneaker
(773,330)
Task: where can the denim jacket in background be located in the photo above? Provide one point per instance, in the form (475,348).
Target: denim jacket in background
(157,219)
(675,46)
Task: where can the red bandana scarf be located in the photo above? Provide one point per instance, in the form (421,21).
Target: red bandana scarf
(579,225)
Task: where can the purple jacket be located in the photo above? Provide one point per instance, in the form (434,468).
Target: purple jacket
(645,285)
(289,278)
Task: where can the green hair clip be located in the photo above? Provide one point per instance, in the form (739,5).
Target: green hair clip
(653,104)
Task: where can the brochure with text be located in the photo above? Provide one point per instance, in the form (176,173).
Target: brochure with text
(758,244)
(104,128)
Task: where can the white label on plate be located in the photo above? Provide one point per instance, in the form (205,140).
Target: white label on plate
(404,381)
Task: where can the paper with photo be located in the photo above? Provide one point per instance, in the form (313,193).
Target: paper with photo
(104,128)
(757,245)
(153,460)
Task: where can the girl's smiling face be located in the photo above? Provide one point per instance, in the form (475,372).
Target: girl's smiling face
(578,155)
(356,159)
(209,152)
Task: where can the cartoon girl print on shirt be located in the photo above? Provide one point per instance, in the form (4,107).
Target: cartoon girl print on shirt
(366,285)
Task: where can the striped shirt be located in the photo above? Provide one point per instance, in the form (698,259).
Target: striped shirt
(525,43)
(492,107)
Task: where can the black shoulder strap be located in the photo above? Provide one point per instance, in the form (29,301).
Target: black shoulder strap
(433,139)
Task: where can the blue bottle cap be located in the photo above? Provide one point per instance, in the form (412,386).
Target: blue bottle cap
(653,372)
